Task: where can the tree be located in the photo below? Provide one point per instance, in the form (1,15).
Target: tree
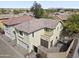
(37,10)
(3,11)
(73,23)
(27,11)
(50,10)
(16,11)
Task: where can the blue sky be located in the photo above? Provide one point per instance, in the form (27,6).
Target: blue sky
(45,4)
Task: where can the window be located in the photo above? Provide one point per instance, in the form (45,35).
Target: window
(14,32)
(61,27)
(48,29)
(51,43)
(33,34)
(20,32)
(56,37)
(44,43)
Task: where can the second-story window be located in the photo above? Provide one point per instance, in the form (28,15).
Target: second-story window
(56,37)
(20,32)
(46,29)
(33,34)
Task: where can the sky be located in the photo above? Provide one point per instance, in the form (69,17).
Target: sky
(45,4)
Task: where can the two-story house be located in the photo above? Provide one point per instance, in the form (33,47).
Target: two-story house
(33,33)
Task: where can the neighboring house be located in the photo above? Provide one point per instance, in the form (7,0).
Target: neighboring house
(33,33)
(10,23)
(5,17)
(62,16)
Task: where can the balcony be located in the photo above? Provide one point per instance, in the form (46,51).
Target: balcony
(47,35)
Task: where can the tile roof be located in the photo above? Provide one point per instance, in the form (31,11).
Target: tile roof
(16,20)
(63,16)
(36,24)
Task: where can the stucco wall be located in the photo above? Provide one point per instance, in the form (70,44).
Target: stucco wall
(56,33)
(28,39)
(36,39)
(37,36)
(23,40)
(23,37)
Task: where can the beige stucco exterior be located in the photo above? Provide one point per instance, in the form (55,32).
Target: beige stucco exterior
(36,40)
(37,36)
(56,33)
(54,36)
(29,40)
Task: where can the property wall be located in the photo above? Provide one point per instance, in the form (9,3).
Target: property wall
(72,48)
(46,54)
(56,33)
(67,54)
(57,55)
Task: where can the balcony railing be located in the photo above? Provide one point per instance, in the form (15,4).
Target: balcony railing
(46,35)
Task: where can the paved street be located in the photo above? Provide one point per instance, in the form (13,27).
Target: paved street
(7,51)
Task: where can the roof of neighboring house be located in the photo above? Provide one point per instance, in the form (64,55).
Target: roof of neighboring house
(63,16)
(16,20)
(36,24)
